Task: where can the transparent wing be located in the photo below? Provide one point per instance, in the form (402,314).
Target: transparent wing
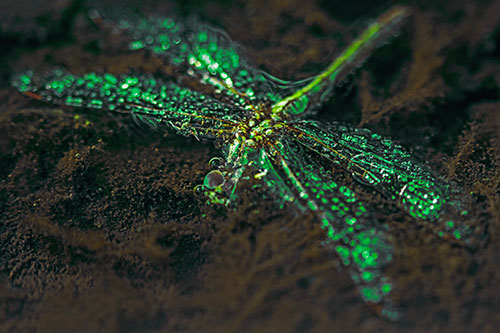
(152,100)
(319,88)
(200,50)
(362,244)
(387,167)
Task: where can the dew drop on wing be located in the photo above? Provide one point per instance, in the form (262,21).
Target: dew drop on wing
(362,159)
(213,179)
(216,162)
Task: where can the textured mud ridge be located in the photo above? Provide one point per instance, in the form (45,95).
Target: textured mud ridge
(100,228)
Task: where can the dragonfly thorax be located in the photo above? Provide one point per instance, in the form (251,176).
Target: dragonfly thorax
(255,131)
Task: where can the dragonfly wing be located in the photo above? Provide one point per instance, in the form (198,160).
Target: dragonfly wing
(386,166)
(362,244)
(200,50)
(319,88)
(155,101)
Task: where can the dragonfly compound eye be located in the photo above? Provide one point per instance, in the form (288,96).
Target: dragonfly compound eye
(213,179)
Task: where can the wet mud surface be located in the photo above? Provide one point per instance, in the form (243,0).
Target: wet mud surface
(100,229)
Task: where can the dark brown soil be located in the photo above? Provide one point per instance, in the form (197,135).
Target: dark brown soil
(100,229)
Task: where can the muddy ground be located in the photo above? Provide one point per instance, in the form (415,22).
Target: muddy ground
(100,229)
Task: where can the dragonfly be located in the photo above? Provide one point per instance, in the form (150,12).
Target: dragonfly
(266,127)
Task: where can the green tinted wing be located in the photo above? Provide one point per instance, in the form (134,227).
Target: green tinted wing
(152,100)
(198,50)
(362,244)
(319,88)
(386,166)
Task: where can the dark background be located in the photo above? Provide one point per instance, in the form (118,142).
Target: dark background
(100,228)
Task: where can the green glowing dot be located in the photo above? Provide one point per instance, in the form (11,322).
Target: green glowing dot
(25,79)
(202,37)
(343,252)
(370,295)
(367,276)
(95,103)
(110,78)
(386,288)
(168,23)
(137,45)
(312,206)
(331,232)
(350,220)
